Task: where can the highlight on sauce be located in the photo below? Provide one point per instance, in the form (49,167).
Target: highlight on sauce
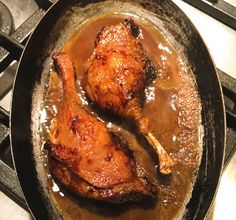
(174,110)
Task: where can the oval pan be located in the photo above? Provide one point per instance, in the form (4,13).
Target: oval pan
(31,79)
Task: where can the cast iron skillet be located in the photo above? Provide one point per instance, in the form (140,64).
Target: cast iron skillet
(31,81)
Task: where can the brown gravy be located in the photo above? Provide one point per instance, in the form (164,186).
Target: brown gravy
(173,107)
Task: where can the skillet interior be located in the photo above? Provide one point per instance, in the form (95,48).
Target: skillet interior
(31,80)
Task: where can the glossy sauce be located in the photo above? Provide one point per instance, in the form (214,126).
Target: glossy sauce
(173,107)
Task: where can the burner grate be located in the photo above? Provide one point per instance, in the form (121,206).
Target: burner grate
(218,9)
(9,52)
(8,182)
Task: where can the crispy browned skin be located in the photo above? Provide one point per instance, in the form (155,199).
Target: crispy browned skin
(116,78)
(83,154)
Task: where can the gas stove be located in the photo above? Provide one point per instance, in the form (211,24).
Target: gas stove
(215,21)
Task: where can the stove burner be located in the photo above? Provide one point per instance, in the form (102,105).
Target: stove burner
(6,20)
(222,10)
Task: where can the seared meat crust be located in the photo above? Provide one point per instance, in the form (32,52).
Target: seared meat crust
(84,156)
(118,73)
(119,68)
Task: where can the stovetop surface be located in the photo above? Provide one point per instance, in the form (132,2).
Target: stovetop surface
(220,40)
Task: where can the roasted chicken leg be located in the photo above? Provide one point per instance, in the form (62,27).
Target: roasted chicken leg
(118,72)
(85,156)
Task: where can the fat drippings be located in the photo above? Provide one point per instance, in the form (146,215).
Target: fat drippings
(173,107)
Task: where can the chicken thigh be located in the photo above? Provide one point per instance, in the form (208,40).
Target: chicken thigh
(85,156)
(117,75)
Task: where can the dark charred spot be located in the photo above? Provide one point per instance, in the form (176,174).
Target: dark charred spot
(99,170)
(98,37)
(59,147)
(133,27)
(84,137)
(47,144)
(151,72)
(108,157)
(90,161)
(101,57)
(74,124)
(122,145)
(96,88)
